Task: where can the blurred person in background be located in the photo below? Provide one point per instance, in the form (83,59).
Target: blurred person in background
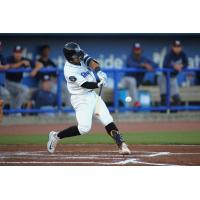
(4,93)
(43,97)
(3,63)
(133,80)
(19,92)
(197,77)
(177,60)
(44,61)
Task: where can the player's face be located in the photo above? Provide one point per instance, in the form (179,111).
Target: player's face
(17,56)
(46,85)
(46,52)
(76,60)
(137,52)
(177,49)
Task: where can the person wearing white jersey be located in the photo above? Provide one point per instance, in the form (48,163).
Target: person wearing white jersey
(79,72)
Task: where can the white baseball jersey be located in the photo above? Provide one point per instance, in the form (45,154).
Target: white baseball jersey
(83,101)
(76,75)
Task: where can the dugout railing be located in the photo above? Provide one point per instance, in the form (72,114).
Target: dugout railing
(116,107)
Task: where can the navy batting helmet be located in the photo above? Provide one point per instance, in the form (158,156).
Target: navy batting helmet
(72,50)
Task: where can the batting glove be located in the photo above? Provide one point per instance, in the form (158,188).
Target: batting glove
(102,82)
(102,75)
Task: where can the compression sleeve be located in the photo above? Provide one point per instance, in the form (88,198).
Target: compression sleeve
(87,59)
(90,85)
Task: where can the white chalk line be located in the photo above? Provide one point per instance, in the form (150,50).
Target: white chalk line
(54,162)
(45,153)
(159,154)
(65,158)
(89,156)
(168,145)
(78,158)
(135,161)
(10,156)
(125,162)
(129,161)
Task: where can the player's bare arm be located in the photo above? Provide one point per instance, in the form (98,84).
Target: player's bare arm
(94,65)
(37,68)
(4,67)
(16,65)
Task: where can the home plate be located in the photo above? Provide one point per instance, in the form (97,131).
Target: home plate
(137,161)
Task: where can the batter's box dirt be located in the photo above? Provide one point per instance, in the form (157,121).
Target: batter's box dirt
(106,155)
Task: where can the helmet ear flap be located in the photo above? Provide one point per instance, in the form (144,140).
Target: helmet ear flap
(72,51)
(81,54)
(68,54)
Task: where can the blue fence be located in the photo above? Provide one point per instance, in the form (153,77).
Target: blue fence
(116,107)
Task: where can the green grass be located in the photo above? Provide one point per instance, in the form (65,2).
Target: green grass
(131,138)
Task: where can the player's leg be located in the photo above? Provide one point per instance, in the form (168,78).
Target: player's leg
(174,88)
(13,93)
(112,130)
(162,87)
(4,94)
(55,136)
(84,112)
(132,88)
(22,95)
(19,93)
(131,84)
(84,119)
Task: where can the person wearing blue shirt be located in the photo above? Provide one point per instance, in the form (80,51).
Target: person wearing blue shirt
(43,97)
(133,80)
(4,93)
(177,60)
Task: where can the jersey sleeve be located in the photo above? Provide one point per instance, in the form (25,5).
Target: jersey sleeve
(87,59)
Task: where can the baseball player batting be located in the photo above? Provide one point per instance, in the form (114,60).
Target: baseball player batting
(81,82)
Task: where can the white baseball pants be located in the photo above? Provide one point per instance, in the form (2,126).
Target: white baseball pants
(84,106)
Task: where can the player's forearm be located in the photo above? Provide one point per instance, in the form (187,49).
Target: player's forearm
(16,65)
(94,65)
(90,85)
(4,67)
(38,66)
(29,105)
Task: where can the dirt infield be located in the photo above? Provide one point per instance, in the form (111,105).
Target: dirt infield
(98,128)
(106,155)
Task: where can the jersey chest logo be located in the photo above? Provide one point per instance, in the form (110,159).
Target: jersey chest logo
(85,74)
